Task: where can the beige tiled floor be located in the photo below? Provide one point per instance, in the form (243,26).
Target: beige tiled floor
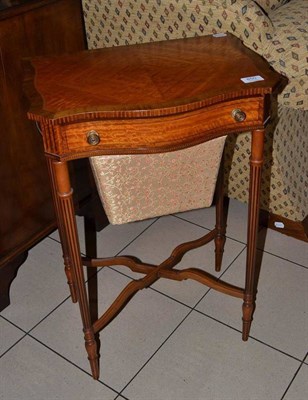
(174,341)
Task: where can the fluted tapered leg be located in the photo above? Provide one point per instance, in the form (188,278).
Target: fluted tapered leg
(256,163)
(63,239)
(68,222)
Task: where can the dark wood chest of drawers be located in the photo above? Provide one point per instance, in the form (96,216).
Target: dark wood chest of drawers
(27,28)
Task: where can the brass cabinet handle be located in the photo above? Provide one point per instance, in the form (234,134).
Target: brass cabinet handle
(93,138)
(238,115)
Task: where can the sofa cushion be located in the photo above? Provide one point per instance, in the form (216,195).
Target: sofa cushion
(286,51)
(271,5)
(246,20)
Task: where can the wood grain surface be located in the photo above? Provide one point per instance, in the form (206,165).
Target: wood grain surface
(145,80)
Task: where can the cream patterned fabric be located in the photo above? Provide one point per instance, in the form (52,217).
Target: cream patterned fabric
(137,187)
(285,172)
(287,51)
(280,35)
(271,5)
(118,22)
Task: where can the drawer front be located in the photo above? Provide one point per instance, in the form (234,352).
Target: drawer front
(142,135)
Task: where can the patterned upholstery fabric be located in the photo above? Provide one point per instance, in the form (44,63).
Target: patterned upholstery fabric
(140,186)
(271,5)
(287,51)
(285,172)
(110,23)
(280,35)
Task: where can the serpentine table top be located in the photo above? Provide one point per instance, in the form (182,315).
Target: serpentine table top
(148,83)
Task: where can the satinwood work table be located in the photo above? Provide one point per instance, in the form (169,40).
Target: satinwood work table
(142,99)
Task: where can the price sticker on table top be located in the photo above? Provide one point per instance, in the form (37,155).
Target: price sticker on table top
(251,79)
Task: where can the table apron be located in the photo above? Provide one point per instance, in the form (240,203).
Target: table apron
(153,134)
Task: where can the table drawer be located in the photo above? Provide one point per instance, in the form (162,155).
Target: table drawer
(153,134)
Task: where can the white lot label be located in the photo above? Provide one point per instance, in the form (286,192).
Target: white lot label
(219,34)
(251,79)
(279,224)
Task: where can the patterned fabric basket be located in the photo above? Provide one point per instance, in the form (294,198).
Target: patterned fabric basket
(137,187)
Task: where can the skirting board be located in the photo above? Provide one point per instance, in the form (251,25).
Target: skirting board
(296,229)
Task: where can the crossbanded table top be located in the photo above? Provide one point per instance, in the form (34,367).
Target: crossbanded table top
(150,79)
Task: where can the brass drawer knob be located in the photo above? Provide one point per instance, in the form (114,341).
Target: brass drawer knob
(93,138)
(238,115)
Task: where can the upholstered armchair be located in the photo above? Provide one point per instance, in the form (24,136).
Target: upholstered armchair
(275,29)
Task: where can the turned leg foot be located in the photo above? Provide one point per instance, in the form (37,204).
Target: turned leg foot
(91,347)
(219,250)
(248,309)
